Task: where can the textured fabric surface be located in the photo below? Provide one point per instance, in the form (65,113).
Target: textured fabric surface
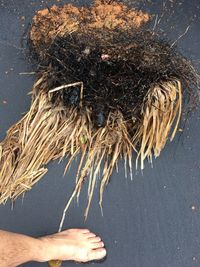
(152,221)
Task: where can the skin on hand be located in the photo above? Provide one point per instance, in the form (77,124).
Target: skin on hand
(79,245)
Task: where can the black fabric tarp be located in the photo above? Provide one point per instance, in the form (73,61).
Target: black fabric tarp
(147,222)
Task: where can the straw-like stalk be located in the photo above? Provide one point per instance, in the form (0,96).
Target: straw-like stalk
(47,132)
(161,109)
(103,149)
(162,106)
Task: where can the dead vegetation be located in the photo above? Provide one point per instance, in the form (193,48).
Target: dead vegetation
(106,89)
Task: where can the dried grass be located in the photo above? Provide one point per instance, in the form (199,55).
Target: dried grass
(47,133)
(162,105)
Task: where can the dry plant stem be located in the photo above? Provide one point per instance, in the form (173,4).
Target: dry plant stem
(162,106)
(46,133)
(30,144)
(106,146)
(68,86)
(161,109)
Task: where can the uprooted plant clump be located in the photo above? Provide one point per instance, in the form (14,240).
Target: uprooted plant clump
(106,87)
(115,77)
(103,48)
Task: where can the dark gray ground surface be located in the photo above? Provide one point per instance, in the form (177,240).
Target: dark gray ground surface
(147,222)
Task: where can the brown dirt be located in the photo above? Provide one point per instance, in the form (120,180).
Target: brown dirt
(57,21)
